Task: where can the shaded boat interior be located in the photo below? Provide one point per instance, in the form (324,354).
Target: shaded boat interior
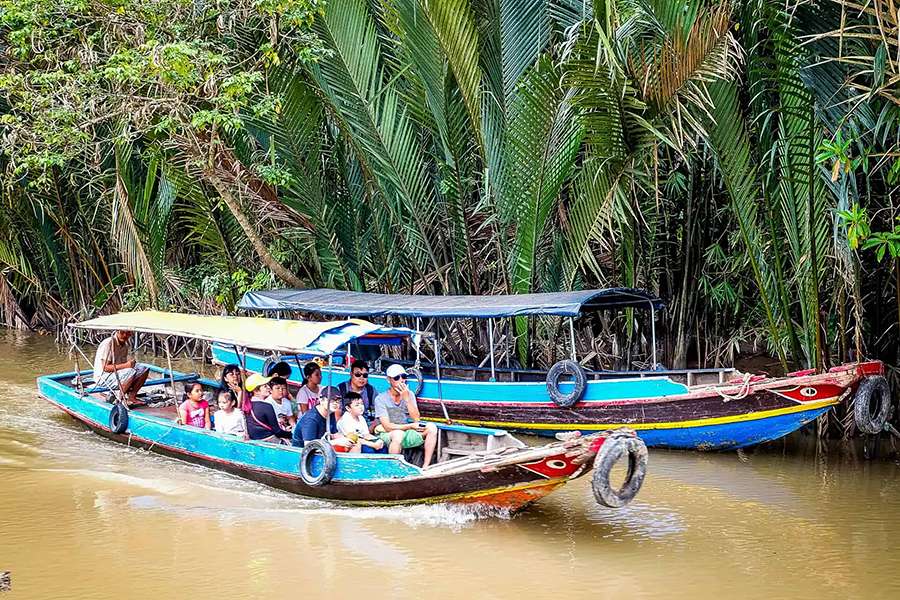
(162,392)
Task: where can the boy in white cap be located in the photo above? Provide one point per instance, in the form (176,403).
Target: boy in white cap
(398,413)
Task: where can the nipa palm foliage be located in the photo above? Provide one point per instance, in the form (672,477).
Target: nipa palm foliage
(512,146)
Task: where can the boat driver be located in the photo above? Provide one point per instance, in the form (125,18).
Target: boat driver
(114,370)
(359,384)
(398,415)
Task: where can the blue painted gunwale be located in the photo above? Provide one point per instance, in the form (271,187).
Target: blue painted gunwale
(481,392)
(282,461)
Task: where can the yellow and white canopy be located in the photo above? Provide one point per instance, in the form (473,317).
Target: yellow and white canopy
(281,335)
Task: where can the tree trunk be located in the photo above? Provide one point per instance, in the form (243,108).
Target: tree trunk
(259,246)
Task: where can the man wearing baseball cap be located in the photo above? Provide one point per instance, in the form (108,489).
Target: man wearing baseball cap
(398,414)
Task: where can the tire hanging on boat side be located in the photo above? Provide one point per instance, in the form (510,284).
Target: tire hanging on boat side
(276,366)
(267,365)
(310,449)
(118,418)
(554,379)
(613,450)
(870,418)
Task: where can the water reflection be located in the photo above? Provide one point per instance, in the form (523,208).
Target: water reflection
(116,522)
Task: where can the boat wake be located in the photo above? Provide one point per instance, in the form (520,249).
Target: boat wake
(637,520)
(289,510)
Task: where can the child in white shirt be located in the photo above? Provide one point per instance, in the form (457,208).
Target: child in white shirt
(354,427)
(228,419)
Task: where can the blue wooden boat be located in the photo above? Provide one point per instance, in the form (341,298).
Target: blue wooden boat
(476,466)
(689,409)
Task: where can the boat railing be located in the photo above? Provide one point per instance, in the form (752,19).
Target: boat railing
(687,376)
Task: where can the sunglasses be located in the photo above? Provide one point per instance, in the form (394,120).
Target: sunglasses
(363,375)
(402,376)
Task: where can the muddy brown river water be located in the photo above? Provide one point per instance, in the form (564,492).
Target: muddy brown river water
(82,517)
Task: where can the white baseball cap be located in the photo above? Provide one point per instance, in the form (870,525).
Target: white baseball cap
(394,370)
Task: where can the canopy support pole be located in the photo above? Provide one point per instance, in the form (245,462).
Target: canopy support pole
(73,343)
(121,393)
(653,335)
(172,379)
(572,337)
(299,369)
(242,361)
(509,334)
(437,371)
(418,347)
(328,399)
(491,344)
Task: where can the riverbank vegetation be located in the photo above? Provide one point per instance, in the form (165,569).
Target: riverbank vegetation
(740,159)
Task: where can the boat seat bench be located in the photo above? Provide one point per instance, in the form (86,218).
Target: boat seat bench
(151,382)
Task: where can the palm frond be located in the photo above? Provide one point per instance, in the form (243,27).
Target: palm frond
(698,49)
(524,33)
(126,228)
(731,146)
(543,141)
(376,121)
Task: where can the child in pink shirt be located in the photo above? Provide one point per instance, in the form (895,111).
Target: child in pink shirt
(194,411)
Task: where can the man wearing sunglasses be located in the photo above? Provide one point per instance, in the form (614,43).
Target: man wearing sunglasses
(359,383)
(398,414)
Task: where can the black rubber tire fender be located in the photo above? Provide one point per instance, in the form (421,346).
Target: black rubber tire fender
(614,449)
(310,449)
(416,373)
(554,377)
(276,366)
(118,418)
(267,364)
(871,418)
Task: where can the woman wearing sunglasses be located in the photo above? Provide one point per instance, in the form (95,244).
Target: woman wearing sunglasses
(359,383)
(398,416)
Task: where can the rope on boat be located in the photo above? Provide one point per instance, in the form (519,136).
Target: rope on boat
(892,430)
(73,345)
(168,431)
(742,393)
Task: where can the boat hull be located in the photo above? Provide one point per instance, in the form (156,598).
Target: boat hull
(359,478)
(663,412)
(720,436)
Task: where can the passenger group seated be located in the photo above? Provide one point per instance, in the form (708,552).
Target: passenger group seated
(228,418)
(398,415)
(353,426)
(281,403)
(308,394)
(262,423)
(194,411)
(311,425)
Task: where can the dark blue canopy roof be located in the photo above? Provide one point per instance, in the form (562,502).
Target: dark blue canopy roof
(362,304)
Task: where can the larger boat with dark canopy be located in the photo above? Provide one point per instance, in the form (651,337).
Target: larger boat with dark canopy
(476,466)
(690,408)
